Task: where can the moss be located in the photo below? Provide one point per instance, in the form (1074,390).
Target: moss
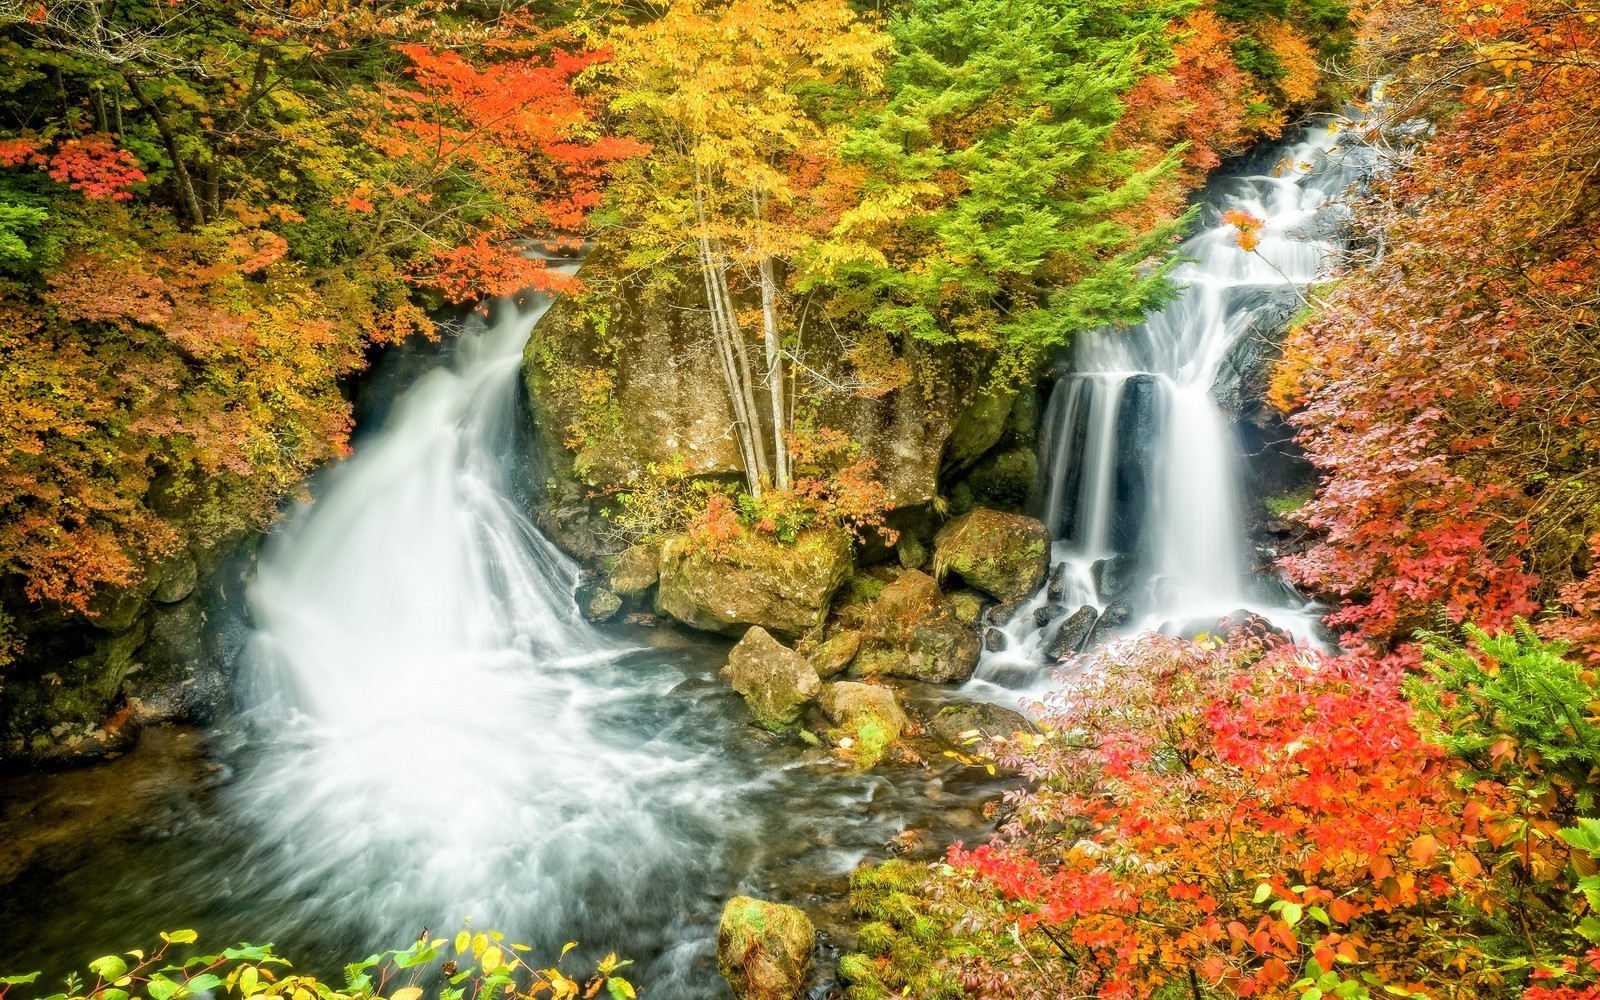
(1288,503)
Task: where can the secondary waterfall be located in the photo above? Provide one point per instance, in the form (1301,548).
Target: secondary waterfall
(1142,468)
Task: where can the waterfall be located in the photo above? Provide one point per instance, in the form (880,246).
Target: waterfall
(1141,466)
(436,733)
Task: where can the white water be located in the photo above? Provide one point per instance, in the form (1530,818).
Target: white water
(1179,536)
(435,718)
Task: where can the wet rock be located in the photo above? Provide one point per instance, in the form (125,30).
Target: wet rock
(969,606)
(175,580)
(643,619)
(632,572)
(958,726)
(1044,615)
(1005,480)
(1113,576)
(764,949)
(831,656)
(784,588)
(912,631)
(868,717)
(911,553)
(1069,638)
(1002,613)
(1004,555)
(1116,615)
(1246,622)
(1139,417)
(979,428)
(596,602)
(175,675)
(776,682)
(994,640)
(1056,588)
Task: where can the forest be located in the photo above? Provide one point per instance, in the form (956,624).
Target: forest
(918,499)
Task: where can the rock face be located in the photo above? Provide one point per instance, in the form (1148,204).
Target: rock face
(868,716)
(1139,416)
(912,631)
(775,681)
(1004,555)
(632,572)
(764,949)
(782,588)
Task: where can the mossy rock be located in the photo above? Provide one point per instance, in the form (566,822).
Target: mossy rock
(968,605)
(784,588)
(632,572)
(1006,479)
(868,716)
(912,631)
(776,682)
(764,949)
(831,656)
(1004,555)
(959,726)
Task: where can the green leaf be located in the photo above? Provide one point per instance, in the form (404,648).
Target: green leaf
(619,988)
(1263,893)
(1292,912)
(110,967)
(180,937)
(1589,927)
(162,988)
(1585,836)
(18,980)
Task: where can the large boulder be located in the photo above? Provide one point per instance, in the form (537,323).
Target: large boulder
(868,716)
(912,631)
(784,588)
(1070,637)
(1004,555)
(764,949)
(632,572)
(776,682)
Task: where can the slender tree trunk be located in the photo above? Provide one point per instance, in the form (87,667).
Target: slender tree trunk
(730,373)
(769,324)
(741,359)
(186,189)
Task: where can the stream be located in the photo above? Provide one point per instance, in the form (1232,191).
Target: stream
(427,733)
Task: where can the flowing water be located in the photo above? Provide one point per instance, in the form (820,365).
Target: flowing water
(428,734)
(1142,467)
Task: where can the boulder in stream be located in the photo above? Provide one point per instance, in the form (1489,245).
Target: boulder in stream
(958,726)
(912,631)
(776,682)
(1112,576)
(596,601)
(1069,638)
(1004,555)
(1047,613)
(1116,615)
(1057,587)
(632,572)
(833,654)
(868,716)
(784,588)
(764,949)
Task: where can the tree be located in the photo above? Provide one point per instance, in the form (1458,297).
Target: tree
(718,91)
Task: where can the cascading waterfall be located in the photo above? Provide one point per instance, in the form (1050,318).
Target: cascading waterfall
(1142,467)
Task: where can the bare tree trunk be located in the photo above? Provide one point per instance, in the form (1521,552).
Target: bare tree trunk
(730,373)
(769,323)
(741,358)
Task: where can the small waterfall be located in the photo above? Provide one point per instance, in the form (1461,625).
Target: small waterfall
(1142,469)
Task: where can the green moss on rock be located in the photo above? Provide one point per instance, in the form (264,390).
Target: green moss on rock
(764,949)
(1004,555)
(783,588)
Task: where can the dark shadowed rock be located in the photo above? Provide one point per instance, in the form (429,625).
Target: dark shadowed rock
(959,726)
(1070,637)
(1139,415)
(994,640)
(1056,587)
(1045,614)
(1116,615)
(1113,576)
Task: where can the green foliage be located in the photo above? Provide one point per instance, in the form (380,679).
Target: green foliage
(907,937)
(484,965)
(1513,707)
(996,208)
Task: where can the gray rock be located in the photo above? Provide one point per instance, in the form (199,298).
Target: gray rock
(596,602)
(959,726)
(1055,589)
(1044,615)
(785,588)
(1069,638)
(912,631)
(1116,615)
(776,682)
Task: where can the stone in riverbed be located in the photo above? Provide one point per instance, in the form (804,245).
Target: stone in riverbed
(1045,614)
(776,682)
(994,640)
(1005,555)
(632,572)
(1070,636)
(764,949)
(912,631)
(784,588)
(958,726)
(596,602)
(1056,588)
(968,605)
(868,717)
(1116,615)
(832,655)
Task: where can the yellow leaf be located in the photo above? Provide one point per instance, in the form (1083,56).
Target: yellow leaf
(480,942)
(463,940)
(409,993)
(493,958)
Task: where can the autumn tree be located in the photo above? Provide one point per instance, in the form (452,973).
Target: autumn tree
(718,90)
